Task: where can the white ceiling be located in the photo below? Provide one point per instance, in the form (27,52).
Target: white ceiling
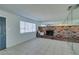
(39,12)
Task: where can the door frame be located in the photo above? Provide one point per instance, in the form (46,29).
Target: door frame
(5,32)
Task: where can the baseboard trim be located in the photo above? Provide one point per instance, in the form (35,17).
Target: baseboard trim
(23,42)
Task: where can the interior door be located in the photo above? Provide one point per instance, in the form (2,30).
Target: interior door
(2,33)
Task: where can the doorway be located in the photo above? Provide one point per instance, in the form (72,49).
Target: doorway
(2,33)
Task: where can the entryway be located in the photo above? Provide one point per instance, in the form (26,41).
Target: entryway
(2,33)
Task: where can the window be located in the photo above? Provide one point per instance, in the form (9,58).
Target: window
(27,27)
(22,27)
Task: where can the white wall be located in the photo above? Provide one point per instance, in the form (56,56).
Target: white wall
(73,22)
(13,35)
(53,22)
